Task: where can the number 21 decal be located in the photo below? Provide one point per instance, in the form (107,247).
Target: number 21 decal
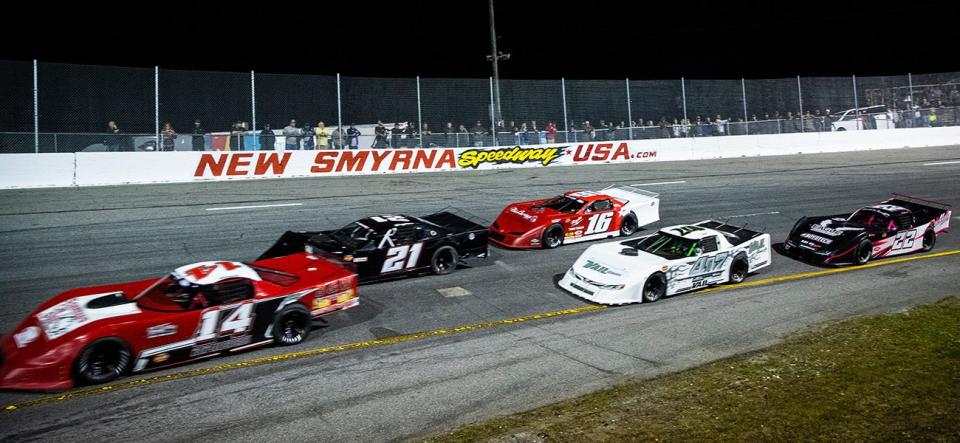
(599,223)
(401,257)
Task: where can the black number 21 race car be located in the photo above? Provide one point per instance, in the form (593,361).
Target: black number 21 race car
(386,246)
(899,225)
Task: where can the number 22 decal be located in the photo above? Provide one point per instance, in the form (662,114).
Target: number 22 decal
(599,223)
(397,256)
(904,240)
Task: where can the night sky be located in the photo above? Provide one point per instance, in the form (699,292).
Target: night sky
(546,39)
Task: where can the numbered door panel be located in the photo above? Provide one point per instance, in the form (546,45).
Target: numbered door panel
(597,218)
(402,250)
(707,266)
(902,242)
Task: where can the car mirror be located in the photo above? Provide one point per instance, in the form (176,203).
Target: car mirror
(629,251)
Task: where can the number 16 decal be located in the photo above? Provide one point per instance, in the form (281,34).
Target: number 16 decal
(599,223)
(398,255)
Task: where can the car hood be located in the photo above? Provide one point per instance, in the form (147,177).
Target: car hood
(527,215)
(825,233)
(605,264)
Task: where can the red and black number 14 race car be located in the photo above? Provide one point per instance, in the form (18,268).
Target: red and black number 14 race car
(93,335)
(898,225)
(575,216)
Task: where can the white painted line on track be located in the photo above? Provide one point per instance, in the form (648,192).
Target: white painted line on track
(503,265)
(942,163)
(754,214)
(254,207)
(659,183)
(455,291)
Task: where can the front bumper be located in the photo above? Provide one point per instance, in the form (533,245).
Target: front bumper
(526,240)
(792,248)
(592,292)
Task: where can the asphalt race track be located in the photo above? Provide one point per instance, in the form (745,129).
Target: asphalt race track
(404,387)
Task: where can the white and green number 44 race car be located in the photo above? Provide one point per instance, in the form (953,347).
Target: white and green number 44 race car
(676,259)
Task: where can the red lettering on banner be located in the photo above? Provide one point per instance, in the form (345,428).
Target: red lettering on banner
(578,157)
(273,162)
(446,159)
(601,152)
(323,161)
(423,159)
(208,161)
(378,157)
(353,160)
(401,157)
(622,151)
(237,160)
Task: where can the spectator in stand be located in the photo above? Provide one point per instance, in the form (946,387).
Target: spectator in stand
(478,133)
(353,137)
(168,137)
(664,128)
(676,128)
(380,136)
(409,136)
(323,136)
(198,140)
(511,134)
(450,135)
(685,127)
(522,138)
(308,137)
(426,134)
(698,127)
(551,131)
(395,134)
(721,125)
(933,119)
(113,141)
(589,133)
(267,138)
(336,138)
(237,131)
(291,134)
(463,136)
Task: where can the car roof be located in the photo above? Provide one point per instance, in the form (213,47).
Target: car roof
(587,196)
(889,209)
(383,222)
(691,232)
(211,272)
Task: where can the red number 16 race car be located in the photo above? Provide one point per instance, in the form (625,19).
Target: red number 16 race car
(93,335)
(575,216)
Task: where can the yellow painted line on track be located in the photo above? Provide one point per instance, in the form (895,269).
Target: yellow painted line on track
(86,392)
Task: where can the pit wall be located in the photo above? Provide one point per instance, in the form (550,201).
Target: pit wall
(119,168)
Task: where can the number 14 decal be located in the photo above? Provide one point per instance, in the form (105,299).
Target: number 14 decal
(397,256)
(237,321)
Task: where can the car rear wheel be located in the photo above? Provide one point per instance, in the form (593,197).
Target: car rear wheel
(929,240)
(102,361)
(738,271)
(628,225)
(864,252)
(654,288)
(552,237)
(292,325)
(445,260)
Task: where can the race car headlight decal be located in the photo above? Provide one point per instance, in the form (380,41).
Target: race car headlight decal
(26,336)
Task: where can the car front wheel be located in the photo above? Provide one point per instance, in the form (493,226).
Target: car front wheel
(102,361)
(654,288)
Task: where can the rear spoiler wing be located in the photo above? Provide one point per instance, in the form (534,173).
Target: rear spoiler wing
(920,201)
(632,190)
(741,232)
(457,218)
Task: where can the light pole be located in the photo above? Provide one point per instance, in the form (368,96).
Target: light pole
(494,57)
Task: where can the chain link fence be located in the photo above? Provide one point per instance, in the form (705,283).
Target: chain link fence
(53,107)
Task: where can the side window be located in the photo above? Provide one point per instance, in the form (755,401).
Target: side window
(229,291)
(426,232)
(708,245)
(601,205)
(405,234)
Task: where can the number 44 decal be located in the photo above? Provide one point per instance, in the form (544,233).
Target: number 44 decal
(401,257)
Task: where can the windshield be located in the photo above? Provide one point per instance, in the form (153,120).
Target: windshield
(275,276)
(870,218)
(355,235)
(563,203)
(668,246)
(169,294)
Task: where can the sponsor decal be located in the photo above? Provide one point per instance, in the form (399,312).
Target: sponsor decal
(473,158)
(709,264)
(576,221)
(26,336)
(161,330)
(824,228)
(62,318)
(160,358)
(757,246)
(607,152)
(525,215)
(359,259)
(242,164)
(347,258)
(684,230)
(817,238)
(232,342)
(590,264)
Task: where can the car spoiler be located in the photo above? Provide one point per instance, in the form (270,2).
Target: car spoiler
(743,233)
(920,201)
(457,219)
(628,193)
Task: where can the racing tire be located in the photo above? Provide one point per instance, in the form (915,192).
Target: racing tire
(654,288)
(739,271)
(929,241)
(863,253)
(841,129)
(628,226)
(102,361)
(552,237)
(292,325)
(445,259)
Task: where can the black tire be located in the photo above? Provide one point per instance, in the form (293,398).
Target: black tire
(292,325)
(102,361)
(445,259)
(552,237)
(863,253)
(929,241)
(841,129)
(739,270)
(654,288)
(628,226)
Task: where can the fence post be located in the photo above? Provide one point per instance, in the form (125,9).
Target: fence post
(420,115)
(910,82)
(800,100)
(253,109)
(743,96)
(156,106)
(36,111)
(683,92)
(629,113)
(339,113)
(493,123)
(856,103)
(563,94)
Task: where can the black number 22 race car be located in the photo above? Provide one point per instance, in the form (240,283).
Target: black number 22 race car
(386,246)
(899,225)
